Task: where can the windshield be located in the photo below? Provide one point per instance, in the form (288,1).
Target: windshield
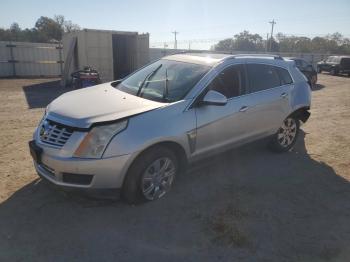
(164,80)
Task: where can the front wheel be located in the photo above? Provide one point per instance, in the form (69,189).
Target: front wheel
(286,135)
(151,176)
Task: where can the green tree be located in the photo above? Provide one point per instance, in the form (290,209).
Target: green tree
(225,45)
(49,28)
(245,41)
(15,31)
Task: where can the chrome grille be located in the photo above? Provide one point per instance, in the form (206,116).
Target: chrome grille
(54,133)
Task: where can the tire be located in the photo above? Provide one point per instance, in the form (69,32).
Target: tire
(142,179)
(314,80)
(286,136)
(333,72)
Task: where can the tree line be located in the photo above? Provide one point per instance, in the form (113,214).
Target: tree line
(334,43)
(46,30)
(51,30)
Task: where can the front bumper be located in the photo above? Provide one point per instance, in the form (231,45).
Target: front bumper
(69,172)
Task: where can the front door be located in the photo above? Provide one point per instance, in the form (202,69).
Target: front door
(220,126)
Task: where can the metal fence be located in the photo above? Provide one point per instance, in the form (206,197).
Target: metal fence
(23,59)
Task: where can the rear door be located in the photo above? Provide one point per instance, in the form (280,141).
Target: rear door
(268,103)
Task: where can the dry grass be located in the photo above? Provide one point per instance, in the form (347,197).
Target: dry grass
(226,226)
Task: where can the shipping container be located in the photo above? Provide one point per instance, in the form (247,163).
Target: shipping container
(114,54)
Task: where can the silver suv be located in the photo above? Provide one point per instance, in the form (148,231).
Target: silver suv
(138,133)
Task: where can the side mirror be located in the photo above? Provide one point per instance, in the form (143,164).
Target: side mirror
(117,82)
(214,98)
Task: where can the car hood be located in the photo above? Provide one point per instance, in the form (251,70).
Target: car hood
(100,103)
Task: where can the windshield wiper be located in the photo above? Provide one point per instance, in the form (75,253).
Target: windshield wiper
(146,78)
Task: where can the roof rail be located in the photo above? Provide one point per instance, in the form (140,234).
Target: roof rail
(276,57)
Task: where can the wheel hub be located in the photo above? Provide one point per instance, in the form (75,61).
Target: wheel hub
(158,178)
(287,132)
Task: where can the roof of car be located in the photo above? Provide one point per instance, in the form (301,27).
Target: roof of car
(340,56)
(212,59)
(294,58)
(199,58)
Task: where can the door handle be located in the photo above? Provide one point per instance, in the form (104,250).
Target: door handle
(243,109)
(284,95)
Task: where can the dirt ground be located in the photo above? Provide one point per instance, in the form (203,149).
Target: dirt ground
(245,205)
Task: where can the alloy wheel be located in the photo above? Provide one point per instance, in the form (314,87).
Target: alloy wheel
(287,132)
(158,178)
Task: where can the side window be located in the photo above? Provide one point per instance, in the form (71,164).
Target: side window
(230,82)
(304,64)
(284,75)
(297,63)
(329,59)
(262,77)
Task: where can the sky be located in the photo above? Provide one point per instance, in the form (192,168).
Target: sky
(200,23)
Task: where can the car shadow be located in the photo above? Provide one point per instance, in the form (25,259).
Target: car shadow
(290,207)
(338,75)
(317,87)
(41,94)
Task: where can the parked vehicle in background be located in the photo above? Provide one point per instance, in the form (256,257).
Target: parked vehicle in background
(335,65)
(136,134)
(85,78)
(307,69)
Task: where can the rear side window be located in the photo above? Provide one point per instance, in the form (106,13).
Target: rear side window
(304,64)
(284,75)
(262,77)
(298,62)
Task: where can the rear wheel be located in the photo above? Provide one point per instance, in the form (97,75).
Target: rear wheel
(313,80)
(286,135)
(151,176)
(333,72)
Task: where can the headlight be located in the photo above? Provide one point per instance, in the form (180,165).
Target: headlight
(96,141)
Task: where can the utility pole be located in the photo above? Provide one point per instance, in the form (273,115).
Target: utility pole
(272,25)
(189,45)
(267,42)
(175,44)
